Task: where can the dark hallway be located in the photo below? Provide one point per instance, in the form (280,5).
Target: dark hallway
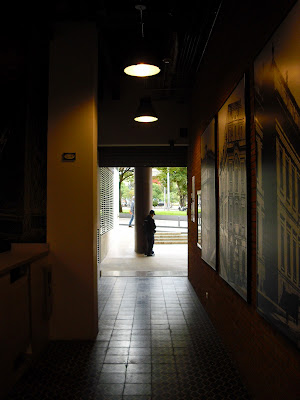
(155,342)
(227,99)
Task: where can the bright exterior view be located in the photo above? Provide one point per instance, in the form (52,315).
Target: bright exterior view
(169,203)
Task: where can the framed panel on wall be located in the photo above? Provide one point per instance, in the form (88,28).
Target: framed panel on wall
(193,200)
(233,190)
(208,195)
(277,124)
(199,235)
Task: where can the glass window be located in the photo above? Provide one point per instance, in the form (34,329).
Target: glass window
(293,188)
(256,159)
(298,194)
(287,178)
(258,233)
(282,247)
(281,169)
(298,262)
(288,245)
(294,261)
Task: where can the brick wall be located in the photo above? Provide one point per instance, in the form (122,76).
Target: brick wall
(269,363)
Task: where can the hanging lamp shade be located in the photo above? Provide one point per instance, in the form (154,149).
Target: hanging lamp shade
(145,111)
(142,64)
(142,70)
(142,60)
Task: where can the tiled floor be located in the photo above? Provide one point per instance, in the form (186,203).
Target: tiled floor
(155,342)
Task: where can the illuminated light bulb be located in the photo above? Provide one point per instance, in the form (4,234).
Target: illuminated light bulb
(145,118)
(142,70)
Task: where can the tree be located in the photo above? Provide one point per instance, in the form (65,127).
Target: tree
(178,176)
(125,173)
(157,191)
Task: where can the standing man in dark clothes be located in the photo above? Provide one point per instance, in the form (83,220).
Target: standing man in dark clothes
(131,212)
(149,229)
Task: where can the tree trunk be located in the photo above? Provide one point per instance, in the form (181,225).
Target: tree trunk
(120,199)
(181,200)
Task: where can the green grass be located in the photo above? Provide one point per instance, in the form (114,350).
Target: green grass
(172,212)
(161,212)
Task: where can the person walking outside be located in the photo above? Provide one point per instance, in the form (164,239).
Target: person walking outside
(149,229)
(131,212)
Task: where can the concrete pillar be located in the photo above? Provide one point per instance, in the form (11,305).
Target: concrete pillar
(143,204)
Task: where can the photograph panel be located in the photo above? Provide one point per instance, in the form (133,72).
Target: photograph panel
(277,124)
(233,190)
(208,195)
(199,236)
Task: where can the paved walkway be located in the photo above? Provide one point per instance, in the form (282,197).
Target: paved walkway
(122,260)
(155,342)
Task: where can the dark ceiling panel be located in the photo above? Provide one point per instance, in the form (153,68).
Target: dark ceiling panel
(150,156)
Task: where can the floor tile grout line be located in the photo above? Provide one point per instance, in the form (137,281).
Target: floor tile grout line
(115,280)
(127,363)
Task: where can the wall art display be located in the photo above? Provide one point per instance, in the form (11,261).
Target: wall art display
(208,195)
(277,123)
(193,200)
(199,236)
(233,190)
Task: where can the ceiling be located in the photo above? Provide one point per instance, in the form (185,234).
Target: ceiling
(177,32)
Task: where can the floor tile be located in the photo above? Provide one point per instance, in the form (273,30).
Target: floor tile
(140,351)
(163,359)
(138,378)
(140,343)
(119,343)
(139,359)
(111,377)
(138,368)
(155,342)
(117,351)
(109,359)
(137,389)
(114,368)
(108,389)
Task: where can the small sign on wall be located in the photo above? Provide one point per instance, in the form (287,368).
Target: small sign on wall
(68,157)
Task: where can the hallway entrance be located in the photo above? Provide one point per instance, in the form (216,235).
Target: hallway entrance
(162,189)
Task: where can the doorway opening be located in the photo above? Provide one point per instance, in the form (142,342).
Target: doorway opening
(169,202)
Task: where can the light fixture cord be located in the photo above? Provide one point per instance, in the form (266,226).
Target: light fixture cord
(212,27)
(142,23)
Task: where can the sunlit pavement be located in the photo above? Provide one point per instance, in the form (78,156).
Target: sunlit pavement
(169,259)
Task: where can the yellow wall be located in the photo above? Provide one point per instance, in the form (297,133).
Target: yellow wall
(72,186)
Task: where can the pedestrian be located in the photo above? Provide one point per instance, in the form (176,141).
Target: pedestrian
(149,229)
(131,212)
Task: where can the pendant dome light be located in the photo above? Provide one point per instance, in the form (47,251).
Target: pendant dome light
(145,111)
(142,66)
